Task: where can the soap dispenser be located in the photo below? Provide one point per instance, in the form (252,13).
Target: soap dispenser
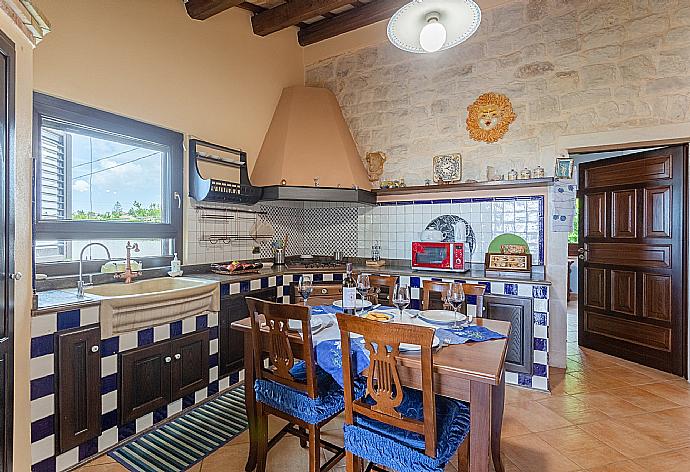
(175,265)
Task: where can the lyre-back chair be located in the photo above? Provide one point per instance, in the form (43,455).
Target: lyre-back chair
(382,287)
(394,426)
(434,294)
(292,386)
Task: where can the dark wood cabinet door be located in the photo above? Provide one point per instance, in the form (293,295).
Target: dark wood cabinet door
(230,341)
(518,311)
(78,387)
(144,380)
(189,371)
(632,261)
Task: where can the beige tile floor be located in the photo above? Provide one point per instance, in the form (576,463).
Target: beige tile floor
(603,415)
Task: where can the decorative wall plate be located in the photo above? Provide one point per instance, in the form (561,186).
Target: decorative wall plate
(446,225)
(375,161)
(448,168)
(489,117)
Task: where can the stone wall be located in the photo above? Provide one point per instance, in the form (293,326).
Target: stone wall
(570,67)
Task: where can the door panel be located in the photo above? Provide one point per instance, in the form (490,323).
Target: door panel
(634,280)
(518,311)
(190,364)
(144,380)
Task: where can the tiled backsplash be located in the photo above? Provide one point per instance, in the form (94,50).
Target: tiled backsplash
(321,228)
(395,225)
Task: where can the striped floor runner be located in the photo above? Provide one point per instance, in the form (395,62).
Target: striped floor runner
(178,445)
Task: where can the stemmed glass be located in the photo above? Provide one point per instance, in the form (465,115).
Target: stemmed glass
(455,297)
(401,298)
(305,287)
(363,287)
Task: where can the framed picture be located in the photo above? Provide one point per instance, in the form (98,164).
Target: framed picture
(564,167)
(509,262)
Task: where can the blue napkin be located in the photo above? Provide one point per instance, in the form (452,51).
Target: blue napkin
(325,310)
(467,334)
(329,356)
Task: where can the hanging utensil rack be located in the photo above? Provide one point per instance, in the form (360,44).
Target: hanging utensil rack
(225,225)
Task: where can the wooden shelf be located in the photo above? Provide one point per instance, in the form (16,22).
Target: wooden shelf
(464,187)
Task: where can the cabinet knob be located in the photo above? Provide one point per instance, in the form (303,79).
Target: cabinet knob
(167,359)
(16,276)
(178,357)
(94,348)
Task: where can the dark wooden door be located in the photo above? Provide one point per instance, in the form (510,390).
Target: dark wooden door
(78,387)
(190,364)
(518,311)
(6,249)
(633,257)
(144,380)
(230,341)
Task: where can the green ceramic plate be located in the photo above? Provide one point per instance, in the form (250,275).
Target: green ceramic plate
(507,238)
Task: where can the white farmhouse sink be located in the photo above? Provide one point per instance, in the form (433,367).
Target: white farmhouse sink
(130,307)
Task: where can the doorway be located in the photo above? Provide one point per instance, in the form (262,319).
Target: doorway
(632,256)
(7,58)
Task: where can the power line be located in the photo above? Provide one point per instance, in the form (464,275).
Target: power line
(107,157)
(118,165)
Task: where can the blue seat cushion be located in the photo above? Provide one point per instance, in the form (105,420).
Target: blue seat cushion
(403,450)
(329,401)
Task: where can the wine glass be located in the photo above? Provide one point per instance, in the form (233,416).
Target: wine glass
(455,297)
(401,298)
(363,287)
(305,287)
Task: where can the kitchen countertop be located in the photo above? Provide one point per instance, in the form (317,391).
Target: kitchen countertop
(61,300)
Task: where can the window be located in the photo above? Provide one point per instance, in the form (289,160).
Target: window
(105,178)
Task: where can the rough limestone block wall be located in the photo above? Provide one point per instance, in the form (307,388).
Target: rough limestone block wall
(570,67)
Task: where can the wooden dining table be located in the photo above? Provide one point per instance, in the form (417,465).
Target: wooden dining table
(472,372)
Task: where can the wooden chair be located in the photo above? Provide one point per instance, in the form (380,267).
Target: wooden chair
(432,302)
(382,287)
(475,290)
(394,426)
(299,392)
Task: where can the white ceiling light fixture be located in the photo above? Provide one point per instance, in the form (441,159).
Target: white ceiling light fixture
(424,26)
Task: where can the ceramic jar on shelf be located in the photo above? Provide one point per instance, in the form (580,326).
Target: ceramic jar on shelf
(525,174)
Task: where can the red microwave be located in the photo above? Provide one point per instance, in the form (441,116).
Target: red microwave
(439,256)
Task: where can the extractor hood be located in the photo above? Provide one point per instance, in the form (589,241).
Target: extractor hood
(308,152)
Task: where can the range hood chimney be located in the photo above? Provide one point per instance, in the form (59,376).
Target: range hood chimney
(309,141)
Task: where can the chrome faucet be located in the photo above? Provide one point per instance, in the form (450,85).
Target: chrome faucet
(128,274)
(81,284)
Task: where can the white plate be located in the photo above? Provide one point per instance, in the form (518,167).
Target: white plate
(360,304)
(404,347)
(296,325)
(440,316)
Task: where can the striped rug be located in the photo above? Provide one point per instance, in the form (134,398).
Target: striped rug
(178,445)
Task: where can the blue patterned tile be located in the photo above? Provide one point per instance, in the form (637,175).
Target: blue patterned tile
(245,286)
(415,282)
(264,282)
(42,345)
(234,378)
(213,388)
(187,401)
(338,277)
(145,337)
(224,290)
(415,304)
(110,346)
(108,420)
(471,299)
(510,289)
(109,383)
(318,278)
(525,380)
(42,428)
(88,449)
(160,414)
(540,344)
(279,280)
(213,360)
(540,318)
(175,329)
(126,430)
(539,370)
(213,332)
(68,319)
(201,322)
(540,291)
(46,465)
(42,387)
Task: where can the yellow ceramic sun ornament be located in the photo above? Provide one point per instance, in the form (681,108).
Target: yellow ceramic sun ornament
(489,117)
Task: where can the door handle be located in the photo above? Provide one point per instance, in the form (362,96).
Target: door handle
(581,257)
(582,250)
(16,276)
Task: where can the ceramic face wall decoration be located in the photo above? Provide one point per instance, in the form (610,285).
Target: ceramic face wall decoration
(489,117)
(375,161)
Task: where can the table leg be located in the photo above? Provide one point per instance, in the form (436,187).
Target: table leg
(498,393)
(250,401)
(480,426)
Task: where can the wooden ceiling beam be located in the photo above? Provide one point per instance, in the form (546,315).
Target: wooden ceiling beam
(292,13)
(204,9)
(367,14)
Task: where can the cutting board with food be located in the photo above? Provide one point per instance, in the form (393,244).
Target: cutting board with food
(236,268)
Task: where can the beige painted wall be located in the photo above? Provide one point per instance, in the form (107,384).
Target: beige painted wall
(148,60)
(22,251)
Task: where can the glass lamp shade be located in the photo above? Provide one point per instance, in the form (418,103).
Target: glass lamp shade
(424,26)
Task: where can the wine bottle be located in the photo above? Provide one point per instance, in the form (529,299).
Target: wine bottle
(349,292)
